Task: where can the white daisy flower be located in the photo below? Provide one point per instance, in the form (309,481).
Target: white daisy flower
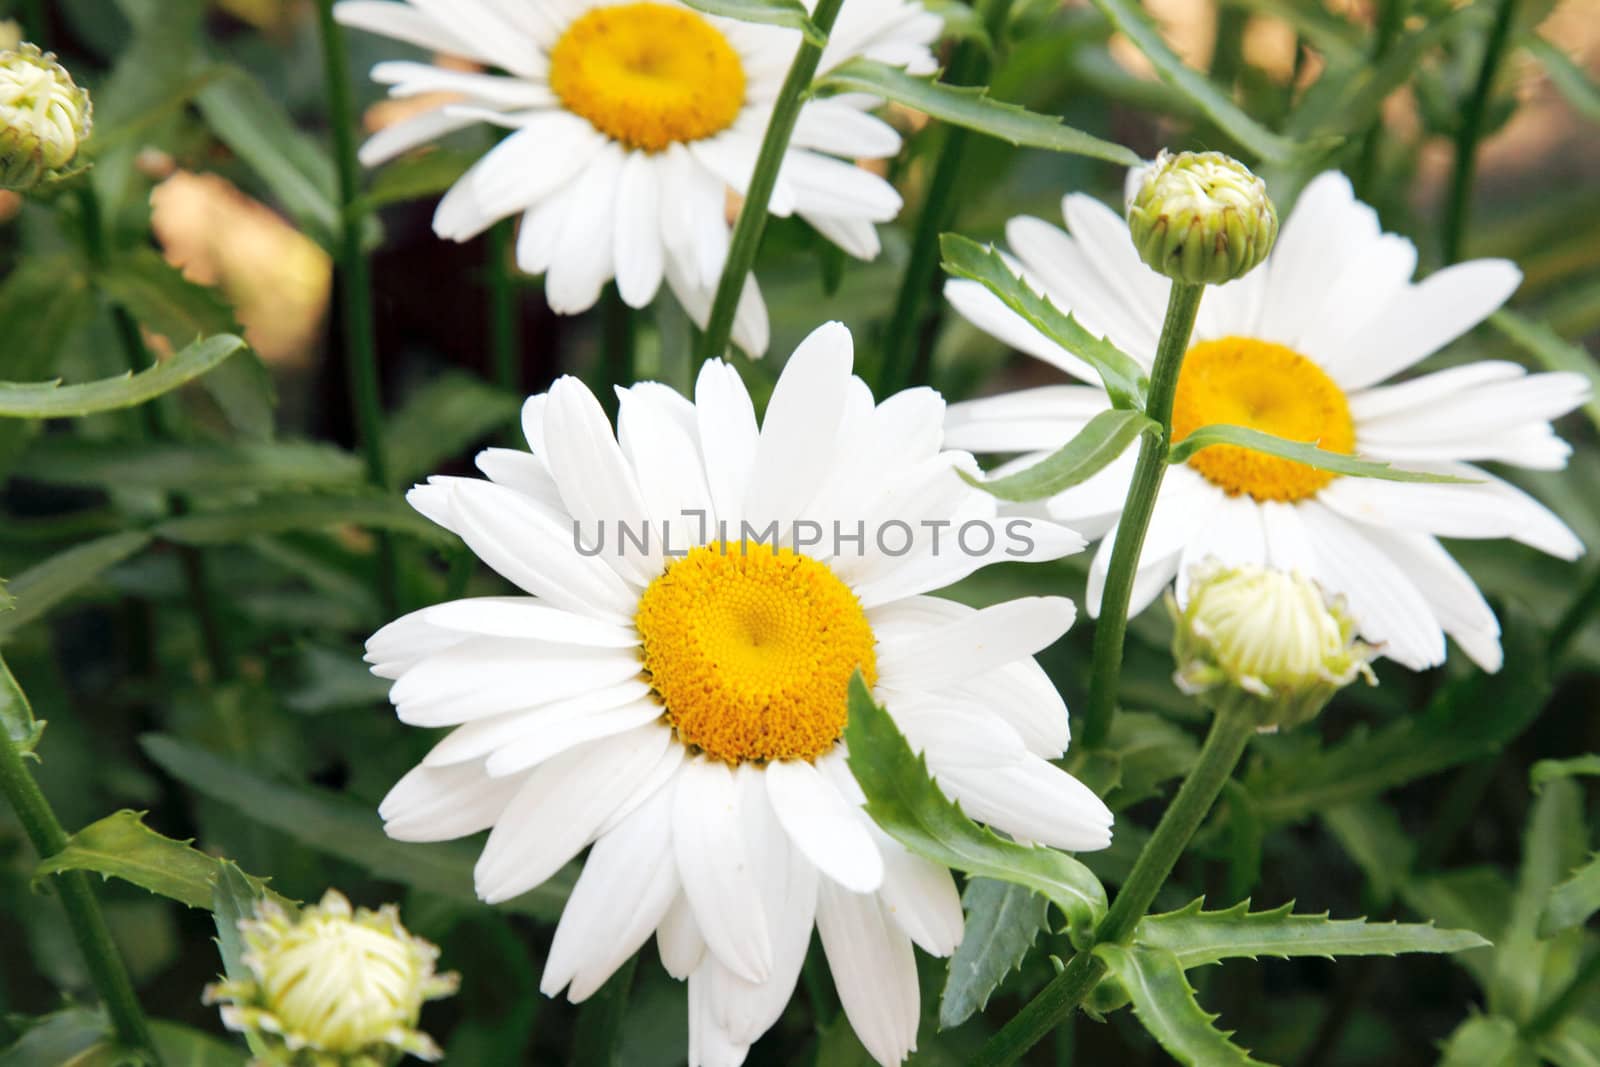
(680,709)
(1300,347)
(631,122)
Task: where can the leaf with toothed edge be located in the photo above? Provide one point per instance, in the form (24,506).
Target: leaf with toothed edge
(1300,452)
(1164,1001)
(1003,920)
(1095,447)
(905,802)
(1198,937)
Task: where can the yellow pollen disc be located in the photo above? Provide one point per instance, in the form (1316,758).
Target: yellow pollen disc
(648,75)
(751,651)
(1266,387)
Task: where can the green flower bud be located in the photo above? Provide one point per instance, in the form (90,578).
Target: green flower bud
(1201,217)
(44,119)
(332,987)
(1264,642)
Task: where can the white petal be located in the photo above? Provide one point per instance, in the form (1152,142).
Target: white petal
(795,452)
(874,970)
(987,639)
(920,897)
(728,437)
(1034,801)
(553,739)
(823,826)
(714,864)
(678,939)
(639,255)
(525,617)
(443,803)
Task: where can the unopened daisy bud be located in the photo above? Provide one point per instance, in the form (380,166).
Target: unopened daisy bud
(333,987)
(1201,217)
(44,118)
(1264,642)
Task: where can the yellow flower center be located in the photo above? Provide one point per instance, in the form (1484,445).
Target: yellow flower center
(751,651)
(1266,387)
(648,75)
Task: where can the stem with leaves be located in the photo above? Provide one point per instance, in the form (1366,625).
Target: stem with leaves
(1225,745)
(1183,304)
(355,277)
(89,930)
(1473,115)
(908,343)
(752,221)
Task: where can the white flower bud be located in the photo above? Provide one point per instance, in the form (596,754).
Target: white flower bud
(1264,640)
(1200,217)
(44,118)
(332,987)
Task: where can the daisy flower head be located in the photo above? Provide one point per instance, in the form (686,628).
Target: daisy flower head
(700,589)
(1303,347)
(629,125)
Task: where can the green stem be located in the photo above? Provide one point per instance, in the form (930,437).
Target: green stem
(1391,16)
(88,925)
(158,424)
(1183,304)
(505,325)
(1224,747)
(908,344)
(753,215)
(361,354)
(1470,131)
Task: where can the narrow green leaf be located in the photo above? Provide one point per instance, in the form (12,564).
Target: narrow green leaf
(181,1046)
(1572,901)
(1575,1043)
(1526,963)
(75,1037)
(1570,80)
(1165,1004)
(1212,101)
(1124,381)
(295,168)
(52,400)
(415,177)
(790,14)
(122,846)
(973,108)
(1553,770)
(233,898)
(441,419)
(184,467)
(41,588)
(1003,920)
(909,807)
(334,823)
(288,513)
(1552,352)
(1096,446)
(1199,937)
(1300,452)
(16,714)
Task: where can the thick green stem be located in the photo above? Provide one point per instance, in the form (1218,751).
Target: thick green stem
(908,344)
(88,925)
(1468,134)
(1183,304)
(753,215)
(505,333)
(1224,747)
(355,284)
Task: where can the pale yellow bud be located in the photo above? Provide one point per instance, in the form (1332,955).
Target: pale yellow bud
(44,118)
(1201,217)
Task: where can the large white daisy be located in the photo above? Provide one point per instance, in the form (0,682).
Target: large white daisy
(1300,347)
(631,122)
(682,712)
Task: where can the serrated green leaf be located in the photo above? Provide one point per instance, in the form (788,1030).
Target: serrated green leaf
(184,467)
(906,803)
(52,400)
(289,513)
(16,714)
(1165,1004)
(1124,381)
(790,14)
(122,846)
(1096,446)
(1199,937)
(44,586)
(973,108)
(1212,101)
(1472,898)
(1553,770)
(1003,920)
(167,303)
(335,824)
(1570,80)
(441,419)
(1300,452)
(1572,901)
(1553,352)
